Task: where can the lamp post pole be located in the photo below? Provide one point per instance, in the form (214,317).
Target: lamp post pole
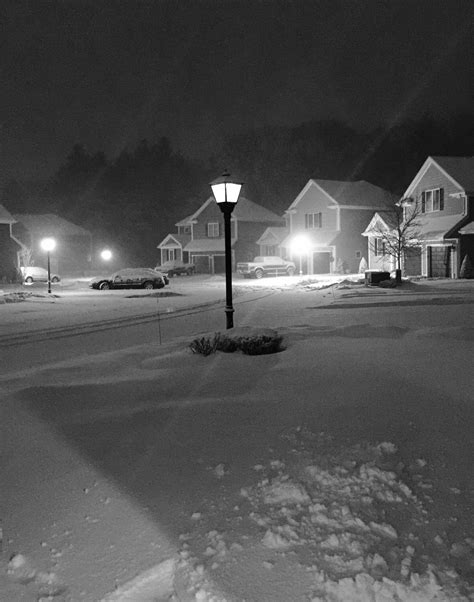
(49,272)
(229,309)
(226,192)
(48,245)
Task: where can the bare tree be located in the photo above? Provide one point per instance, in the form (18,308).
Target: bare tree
(401,237)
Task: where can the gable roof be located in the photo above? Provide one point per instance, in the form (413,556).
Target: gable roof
(5,216)
(380,222)
(245,211)
(174,240)
(272,235)
(50,224)
(460,170)
(360,194)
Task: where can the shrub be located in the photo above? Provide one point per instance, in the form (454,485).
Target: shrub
(466,271)
(205,345)
(260,345)
(250,345)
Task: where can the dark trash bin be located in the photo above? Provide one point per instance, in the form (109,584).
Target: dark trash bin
(375,277)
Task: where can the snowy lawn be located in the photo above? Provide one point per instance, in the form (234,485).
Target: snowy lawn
(339,469)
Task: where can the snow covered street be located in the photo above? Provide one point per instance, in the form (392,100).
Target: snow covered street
(339,469)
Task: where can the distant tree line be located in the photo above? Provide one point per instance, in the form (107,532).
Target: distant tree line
(133,200)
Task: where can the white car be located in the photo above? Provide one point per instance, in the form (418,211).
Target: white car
(36,274)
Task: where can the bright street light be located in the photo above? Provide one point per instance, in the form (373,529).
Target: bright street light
(48,244)
(106,254)
(226,192)
(300,245)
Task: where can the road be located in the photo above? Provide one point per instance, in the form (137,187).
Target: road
(78,322)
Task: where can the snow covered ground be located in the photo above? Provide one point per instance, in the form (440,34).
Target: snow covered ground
(337,470)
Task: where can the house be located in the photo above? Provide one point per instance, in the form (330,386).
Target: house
(443,192)
(10,248)
(73,252)
(330,216)
(200,237)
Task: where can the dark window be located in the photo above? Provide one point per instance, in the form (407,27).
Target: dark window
(313,220)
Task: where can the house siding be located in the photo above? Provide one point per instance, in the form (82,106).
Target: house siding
(315,201)
(350,241)
(434,178)
(440,258)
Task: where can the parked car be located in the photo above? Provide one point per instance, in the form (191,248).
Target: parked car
(146,278)
(176,268)
(266,266)
(36,274)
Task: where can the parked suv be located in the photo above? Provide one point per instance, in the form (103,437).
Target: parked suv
(36,274)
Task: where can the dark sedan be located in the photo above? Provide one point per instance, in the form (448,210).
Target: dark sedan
(145,278)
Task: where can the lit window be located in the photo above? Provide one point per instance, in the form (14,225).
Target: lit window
(213,229)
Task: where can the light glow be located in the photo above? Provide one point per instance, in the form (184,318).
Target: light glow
(300,244)
(48,244)
(106,254)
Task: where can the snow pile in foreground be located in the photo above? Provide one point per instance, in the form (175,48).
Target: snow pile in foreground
(339,521)
(314,521)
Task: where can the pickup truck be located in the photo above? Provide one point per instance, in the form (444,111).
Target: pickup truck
(266,266)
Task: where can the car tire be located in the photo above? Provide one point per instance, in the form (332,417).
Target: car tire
(55,279)
(29,280)
(104,286)
(291,271)
(259,274)
(148,285)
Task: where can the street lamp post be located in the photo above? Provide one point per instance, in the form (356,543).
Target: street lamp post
(48,245)
(226,192)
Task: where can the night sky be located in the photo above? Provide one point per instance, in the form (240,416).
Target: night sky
(109,73)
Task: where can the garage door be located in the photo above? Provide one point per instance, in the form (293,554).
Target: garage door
(202,263)
(439,262)
(219,264)
(321,263)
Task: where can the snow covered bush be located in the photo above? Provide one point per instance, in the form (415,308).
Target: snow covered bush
(466,271)
(260,344)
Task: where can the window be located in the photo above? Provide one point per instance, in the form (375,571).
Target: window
(213,229)
(357,254)
(379,247)
(313,220)
(432,200)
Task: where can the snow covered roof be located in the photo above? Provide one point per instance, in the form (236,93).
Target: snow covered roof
(460,169)
(49,223)
(5,216)
(360,194)
(245,211)
(436,229)
(174,240)
(272,236)
(468,229)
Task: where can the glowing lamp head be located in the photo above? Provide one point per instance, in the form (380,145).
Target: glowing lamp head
(48,244)
(300,244)
(106,254)
(226,189)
